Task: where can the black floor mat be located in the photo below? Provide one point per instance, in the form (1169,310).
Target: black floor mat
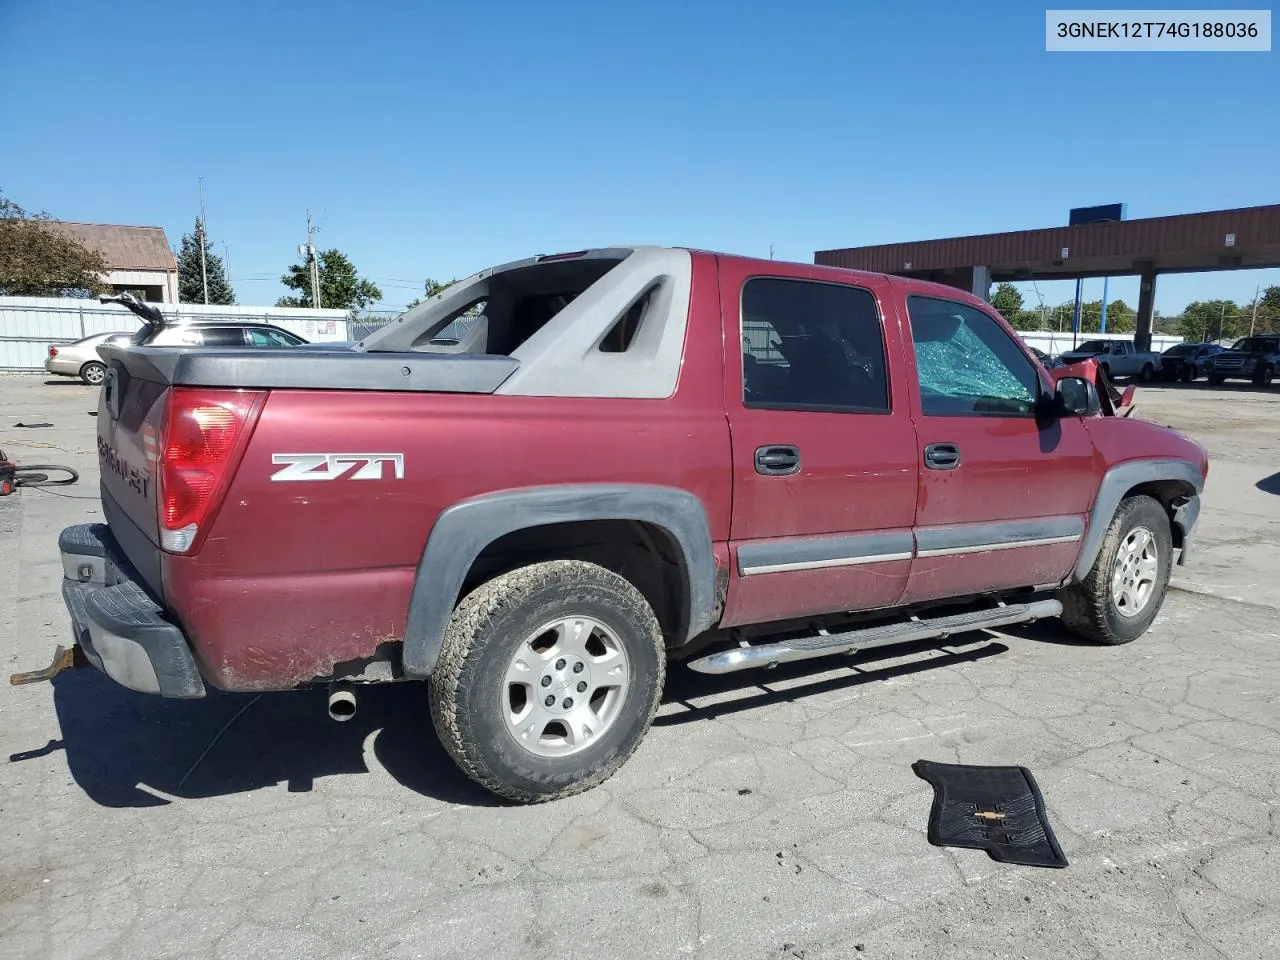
(996,809)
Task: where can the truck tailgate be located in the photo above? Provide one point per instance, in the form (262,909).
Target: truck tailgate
(130,415)
(133,402)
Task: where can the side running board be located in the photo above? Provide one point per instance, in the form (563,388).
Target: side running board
(853,641)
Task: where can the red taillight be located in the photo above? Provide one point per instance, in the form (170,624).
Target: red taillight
(204,435)
(53,351)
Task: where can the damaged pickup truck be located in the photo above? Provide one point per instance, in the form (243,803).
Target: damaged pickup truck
(617,460)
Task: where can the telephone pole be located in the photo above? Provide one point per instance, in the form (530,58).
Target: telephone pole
(315,267)
(1254,319)
(204,270)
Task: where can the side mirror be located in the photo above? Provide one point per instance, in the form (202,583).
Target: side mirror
(1076,397)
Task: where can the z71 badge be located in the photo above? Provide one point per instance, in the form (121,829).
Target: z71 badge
(336,466)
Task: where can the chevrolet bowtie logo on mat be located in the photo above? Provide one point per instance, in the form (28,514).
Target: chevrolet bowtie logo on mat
(988,815)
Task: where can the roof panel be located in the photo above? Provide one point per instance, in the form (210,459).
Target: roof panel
(124,247)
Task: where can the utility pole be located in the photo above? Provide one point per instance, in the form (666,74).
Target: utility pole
(315,267)
(1102,323)
(204,270)
(1254,319)
(771,251)
(1222,315)
(1075,316)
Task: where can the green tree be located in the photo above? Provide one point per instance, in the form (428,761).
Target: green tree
(1007,300)
(1212,320)
(1027,320)
(37,260)
(430,288)
(341,287)
(190,276)
(1268,316)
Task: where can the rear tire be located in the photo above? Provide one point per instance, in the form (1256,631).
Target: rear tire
(93,373)
(1264,377)
(1217,380)
(533,622)
(1123,592)
(1147,372)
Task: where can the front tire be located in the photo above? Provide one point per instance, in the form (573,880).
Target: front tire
(1217,380)
(549,679)
(93,373)
(1264,377)
(1123,592)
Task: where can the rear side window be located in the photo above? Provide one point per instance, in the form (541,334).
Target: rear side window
(221,337)
(260,337)
(809,345)
(966,364)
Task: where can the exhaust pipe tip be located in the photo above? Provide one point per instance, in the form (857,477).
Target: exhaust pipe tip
(342,703)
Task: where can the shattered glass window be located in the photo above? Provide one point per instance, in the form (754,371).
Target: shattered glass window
(967,364)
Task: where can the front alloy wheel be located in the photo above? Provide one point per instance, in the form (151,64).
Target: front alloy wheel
(1137,566)
(1122,593)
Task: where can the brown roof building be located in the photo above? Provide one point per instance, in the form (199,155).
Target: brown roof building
(140,258)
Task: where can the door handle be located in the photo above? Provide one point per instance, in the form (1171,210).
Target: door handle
(942,456)
(777,461)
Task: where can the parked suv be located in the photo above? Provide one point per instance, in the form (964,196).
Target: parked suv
(1252,358)
(1187,361)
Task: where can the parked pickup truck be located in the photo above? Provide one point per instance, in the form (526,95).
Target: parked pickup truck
(1250,358)
(631,458)
(1117,358)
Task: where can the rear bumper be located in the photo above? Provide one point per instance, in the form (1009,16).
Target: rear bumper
(120,628)
(63,368)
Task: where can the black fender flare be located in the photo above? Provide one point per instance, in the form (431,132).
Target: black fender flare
(464,530)
(1117,482)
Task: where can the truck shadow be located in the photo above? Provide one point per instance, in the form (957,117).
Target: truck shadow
(685,686)
(133,750)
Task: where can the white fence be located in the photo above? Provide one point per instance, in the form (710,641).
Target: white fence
(30,325)
(1054,342)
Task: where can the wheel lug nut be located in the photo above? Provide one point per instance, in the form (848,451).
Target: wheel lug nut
(546,681)
(577,667)
(568,703)
(560,664)
(550,701)
(582,687)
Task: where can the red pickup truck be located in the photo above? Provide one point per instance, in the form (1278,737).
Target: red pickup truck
(539,488)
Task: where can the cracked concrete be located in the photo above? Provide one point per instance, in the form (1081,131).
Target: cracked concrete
(765,816)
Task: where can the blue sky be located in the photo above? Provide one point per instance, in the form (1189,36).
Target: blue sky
(433,139)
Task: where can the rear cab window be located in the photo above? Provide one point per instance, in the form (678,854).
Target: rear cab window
(812,345)
(966,364)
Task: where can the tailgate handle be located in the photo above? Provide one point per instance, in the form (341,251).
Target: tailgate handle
(777,461)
